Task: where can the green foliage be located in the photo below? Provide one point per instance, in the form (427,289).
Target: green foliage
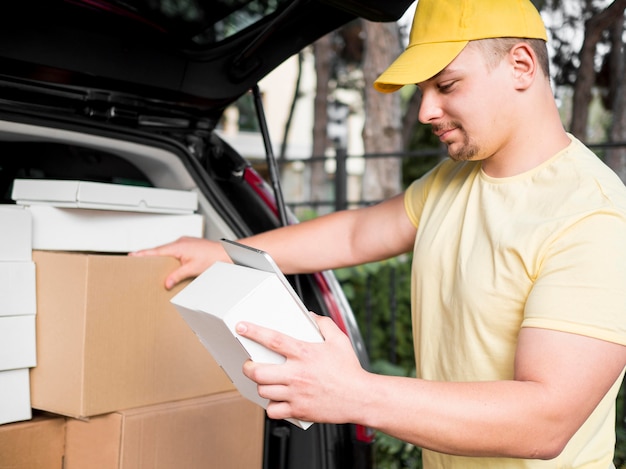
(415,167)
(391,453)
(380,296)
(247,114)
(620,434)
(305,214)
(429,152)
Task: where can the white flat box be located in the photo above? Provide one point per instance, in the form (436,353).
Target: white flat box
(226,294)
(103,196)
(17,289)
(75,229)
(17,342)
(15,234)
(14,396)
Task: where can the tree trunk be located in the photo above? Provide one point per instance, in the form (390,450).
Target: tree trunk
(382,132)
(296,95)
(616,157)
(586,72)
(410,118)
(323,52)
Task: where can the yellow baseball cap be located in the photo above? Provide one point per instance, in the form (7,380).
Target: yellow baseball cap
(442,28)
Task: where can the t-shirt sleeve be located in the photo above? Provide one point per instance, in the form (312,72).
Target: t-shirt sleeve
(416,194)
(581,284)
(414,201)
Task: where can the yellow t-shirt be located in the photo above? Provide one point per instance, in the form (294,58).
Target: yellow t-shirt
(547,249)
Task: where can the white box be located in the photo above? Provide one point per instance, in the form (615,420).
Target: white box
(15,235)
(14,396)
(75,229)
(102,196)
(226,294)
(17,342)
(18,289)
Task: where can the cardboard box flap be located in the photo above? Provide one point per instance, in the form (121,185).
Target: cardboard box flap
(196,296)
(226,294)
(103,196)
(236,293)
(205,326)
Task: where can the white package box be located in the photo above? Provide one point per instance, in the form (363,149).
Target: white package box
(15,233)
(17,342)
(226,294)
(15,396)
(103,196)
(18,289)
(75,229)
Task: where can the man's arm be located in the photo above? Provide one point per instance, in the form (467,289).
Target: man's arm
(559,380)
(336,240)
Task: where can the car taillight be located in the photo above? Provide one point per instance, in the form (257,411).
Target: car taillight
(259,186)
(363,434)
(331,305)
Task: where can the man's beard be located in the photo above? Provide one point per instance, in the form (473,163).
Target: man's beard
(468,149)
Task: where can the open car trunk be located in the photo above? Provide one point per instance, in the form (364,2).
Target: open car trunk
(234,202)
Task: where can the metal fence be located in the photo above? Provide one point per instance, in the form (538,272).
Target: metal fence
(338,198)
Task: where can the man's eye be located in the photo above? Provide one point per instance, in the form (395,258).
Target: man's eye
(446,87)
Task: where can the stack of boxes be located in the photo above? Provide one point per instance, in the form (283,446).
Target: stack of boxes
(120,381)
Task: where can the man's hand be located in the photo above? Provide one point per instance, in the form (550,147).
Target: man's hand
(317,380)
(195,256)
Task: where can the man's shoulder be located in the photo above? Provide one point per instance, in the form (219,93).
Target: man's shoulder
(593,178)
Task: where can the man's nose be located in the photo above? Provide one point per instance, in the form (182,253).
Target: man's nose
(430,107)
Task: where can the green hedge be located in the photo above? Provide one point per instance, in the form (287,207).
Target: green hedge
(374,291)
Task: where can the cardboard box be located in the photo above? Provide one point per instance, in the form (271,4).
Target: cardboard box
(75,229)
(36,444)
(17,342)
(103,196)
(17,289)
(226,294)
(16,233)
(223,431)
(14,396)
(109,339)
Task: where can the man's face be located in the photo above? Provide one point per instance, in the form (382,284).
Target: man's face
(466,106)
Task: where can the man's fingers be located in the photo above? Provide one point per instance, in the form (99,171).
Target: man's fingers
(164,250)
(279,410)
(273,392)
(273,340)
(266,375)
(174,278)
(327,326)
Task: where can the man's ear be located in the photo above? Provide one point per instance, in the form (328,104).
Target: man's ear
(525,66)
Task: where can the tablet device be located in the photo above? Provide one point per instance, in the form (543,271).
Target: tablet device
(254,258)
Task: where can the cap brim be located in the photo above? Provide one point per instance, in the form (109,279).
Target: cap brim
(418,63)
